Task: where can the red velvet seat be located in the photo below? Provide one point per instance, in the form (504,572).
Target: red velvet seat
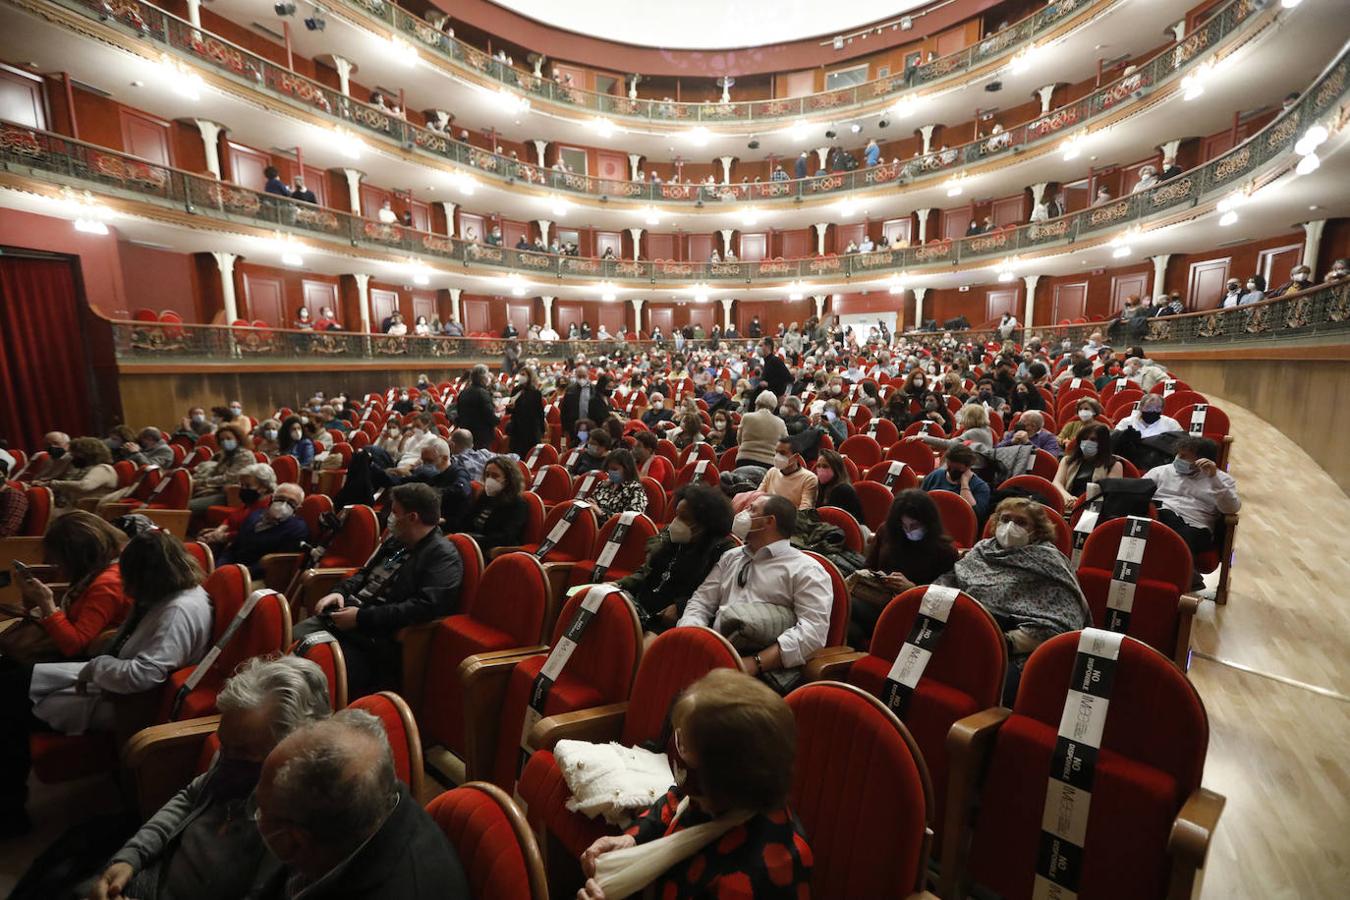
(630,557)
(899,474)
(39,513)
(507,611)
(599,672)
(553,484)
(534,518)
(542,455)
(863,450)
(1148,770)
(876,500)
(686,473)
(1213,423)
(695,452)
(1161,615)
(1177,399)
(322,649)
(656,499)
(172,492)
(883,431)
(1169,386)
(492,840)
(1122,401)
(915,454)
(958,517)
(853,538)
(932,429)
(401,730)
(862,793)
(1043,489)
(1044,464)
(674,661)
(576,543)
(202,554)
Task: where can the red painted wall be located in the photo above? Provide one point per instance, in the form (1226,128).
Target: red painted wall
(100,261)
(160,280)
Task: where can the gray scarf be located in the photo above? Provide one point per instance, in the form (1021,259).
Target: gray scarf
(1029,587)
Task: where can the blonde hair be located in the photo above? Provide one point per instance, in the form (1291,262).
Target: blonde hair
(1041,527)
(972,415)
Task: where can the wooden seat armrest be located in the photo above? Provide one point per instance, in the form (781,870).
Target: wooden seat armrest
(162,759)
(599,725)
(968,744)
(484,678)
(1187,606)
(416,641)
(314,584)
(502,551)
(278,569)
(174,521)
(832,664)
(558,575)
(232,495)
(1189,841)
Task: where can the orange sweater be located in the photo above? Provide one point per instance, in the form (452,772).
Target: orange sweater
(99,606)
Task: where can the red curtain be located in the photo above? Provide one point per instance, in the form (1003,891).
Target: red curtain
(44,367)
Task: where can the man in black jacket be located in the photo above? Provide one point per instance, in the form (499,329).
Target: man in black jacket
(332,809)
(475,408)
(776,376)
(583,400)
(413,577)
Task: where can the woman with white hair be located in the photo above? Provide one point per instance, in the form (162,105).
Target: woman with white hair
(759,434)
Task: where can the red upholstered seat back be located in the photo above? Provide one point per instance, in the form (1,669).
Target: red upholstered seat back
(356,541)
(862,793)
(39,511)
(853,538)
(697,451)
(145,486)
(862,449)
(839,608)
(126,472)
(34,466)
(686,474)
(656,499)
(914,454)
(674,661)
(576,543)
(927,427)
(327,655)
(287,469)
(885,431)
(1044,490)
(876,498)
(202,554)
(1044,464)
(958,517)
(547,455)
(401,729)
(1164,575)
(174,494)
(1151,759)
(492,840)
(534,518)
(314,506)
(632,552)
(512,596)
(1216,420)
(555,487)
(472,559)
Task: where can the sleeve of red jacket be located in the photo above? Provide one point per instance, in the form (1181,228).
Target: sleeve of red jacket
(100,607)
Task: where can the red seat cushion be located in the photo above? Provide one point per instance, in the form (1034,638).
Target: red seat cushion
(545,795)
(1154,618)
(485,842)
(567,694)
(456,638)
(59,758)
(400,740)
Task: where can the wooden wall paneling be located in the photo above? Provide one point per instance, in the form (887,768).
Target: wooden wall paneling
(423,304)
(954,223)
(609,240)
(316,181)
(147,136)
(512,232)
(372,198)
(421,214)
(265,297)
(845,233)
(1009,210)
(701,314)
(23,99)
(1131,285)
(477,315)
(662,317)
(317,295)
(520,314)
(246,165)
(1205,285)
(754,247)
(383,304)
(700,248)
(612,317)
(611,165)
(897,231)
(1069,302)
(797,244)
(1000,301)
(1275,264)
(471,226)
(566,315)
(660,246)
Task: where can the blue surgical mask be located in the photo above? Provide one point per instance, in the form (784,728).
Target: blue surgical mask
(615,476)
(1183,466)
(916,534)
(1088,448)
(582,435)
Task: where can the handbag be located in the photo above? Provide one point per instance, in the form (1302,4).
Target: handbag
(27,643)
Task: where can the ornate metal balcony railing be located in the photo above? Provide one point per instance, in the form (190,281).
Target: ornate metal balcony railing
(363,119)
(1321,310)
(481,64)
(59,159)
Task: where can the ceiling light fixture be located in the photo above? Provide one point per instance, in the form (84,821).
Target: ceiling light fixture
(1290,4)
(607,293)
(1308,164)
(464,183)
(1072,147)
(956,185)
(404,53)
(799,130)
(348,144)
(178,78)
(1193,84)
(750,218)
(1024,59)
(1313,138)
(603,127)
(90,216)
(293,259)
(651,215)
(515,103)
(698,136)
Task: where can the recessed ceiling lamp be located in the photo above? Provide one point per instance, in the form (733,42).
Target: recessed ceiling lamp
(89,215)
(607,293)
(1024,59)
(906,106)
(956,185)
(346,143)
(178,78)
(464,183)
(651,215)
(603,127)
(795,291)
(404,53)
(1193,84)
(799,130)
(515,103)
(292,259)
(1229,207)
(1071,148)
(698,136)
(750,218)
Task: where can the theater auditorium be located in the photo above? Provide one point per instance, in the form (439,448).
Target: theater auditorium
(723,450)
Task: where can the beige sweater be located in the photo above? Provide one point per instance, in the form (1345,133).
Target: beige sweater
(758,437)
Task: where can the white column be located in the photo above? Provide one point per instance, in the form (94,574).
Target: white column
(345,68)
(1046,94)
(726,241)
(363,296)
(820,228)
(926,131)
(194,11)
(918,306)
(1038,193)
(726,312)
(632,85)
(1030,311)
(820,305)
(634,160)
(1160,273)
(548,312)
(822,154)
(539,148)
(225,262)
(454,304)
(210,132)
(923,223)
(637,241)
(449,208)
(544,226)
(353,189)
(1179,30)
(726,168)
(539,60)
(1169,151)
(637,314)
(726,90)
(1312,243)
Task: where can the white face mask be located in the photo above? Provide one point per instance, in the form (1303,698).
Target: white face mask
(740,526)
(280,510)
(1010,534)
(1086,414)
(680,532)
(492,486)
(781,461)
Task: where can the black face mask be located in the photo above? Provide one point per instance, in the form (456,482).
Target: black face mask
(1151,415)
(56,452)
(249,495)
(235,779)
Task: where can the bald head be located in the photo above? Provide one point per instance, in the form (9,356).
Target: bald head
(57,439)
(291,493)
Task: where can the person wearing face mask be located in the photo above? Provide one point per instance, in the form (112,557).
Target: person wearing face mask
(527,426)
(1086,411)
(271,527)
(1148,420)
(89,475)
(210,477)
(723,434)
(911,548)
(650,463)
(195,424)
(680,557)
(421,432)
(56,444)
(413,577)
(1031,430)
(595,443)
(956,476)
(293,441)
(1299,279)
(1088,461)
(656,413)
(331,808)
(256,484)
(732,748)
(404,404)
(332,419)
(621,491)
(775,372)
(834,487)
(150,449)
(768,570)
(119,438)
(1339,271)
(1025,397)
(474,408)
(582,400)
(1194,493)
(1025,582)
(830,420)
(498,515)
(690,431)
(789,478)
(1232,294)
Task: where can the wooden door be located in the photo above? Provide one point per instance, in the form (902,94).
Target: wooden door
(612,317)
(661,246)
(145,136)
(700,248)
(754,247)
(661,317)
(246,165)
(372,198)
(477,316)
(421,214)
(1009,210)
(519,315)
(701,314)
(383,304)
(609,240)
(512,232)
(845,233)
(1070,302)
(471,227)
(265,299)
(424,304)
(568,314)
(897,231)
(317,295)
(611,166)
(1123,286)
(1275,264)
(22,99)
(317,182)
(1000,301)
(955,222)
(1204,287)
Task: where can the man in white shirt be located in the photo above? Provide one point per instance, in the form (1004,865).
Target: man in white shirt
(768,569)
(1193,493)
(1148,419)
(410,451)
(1093,345)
